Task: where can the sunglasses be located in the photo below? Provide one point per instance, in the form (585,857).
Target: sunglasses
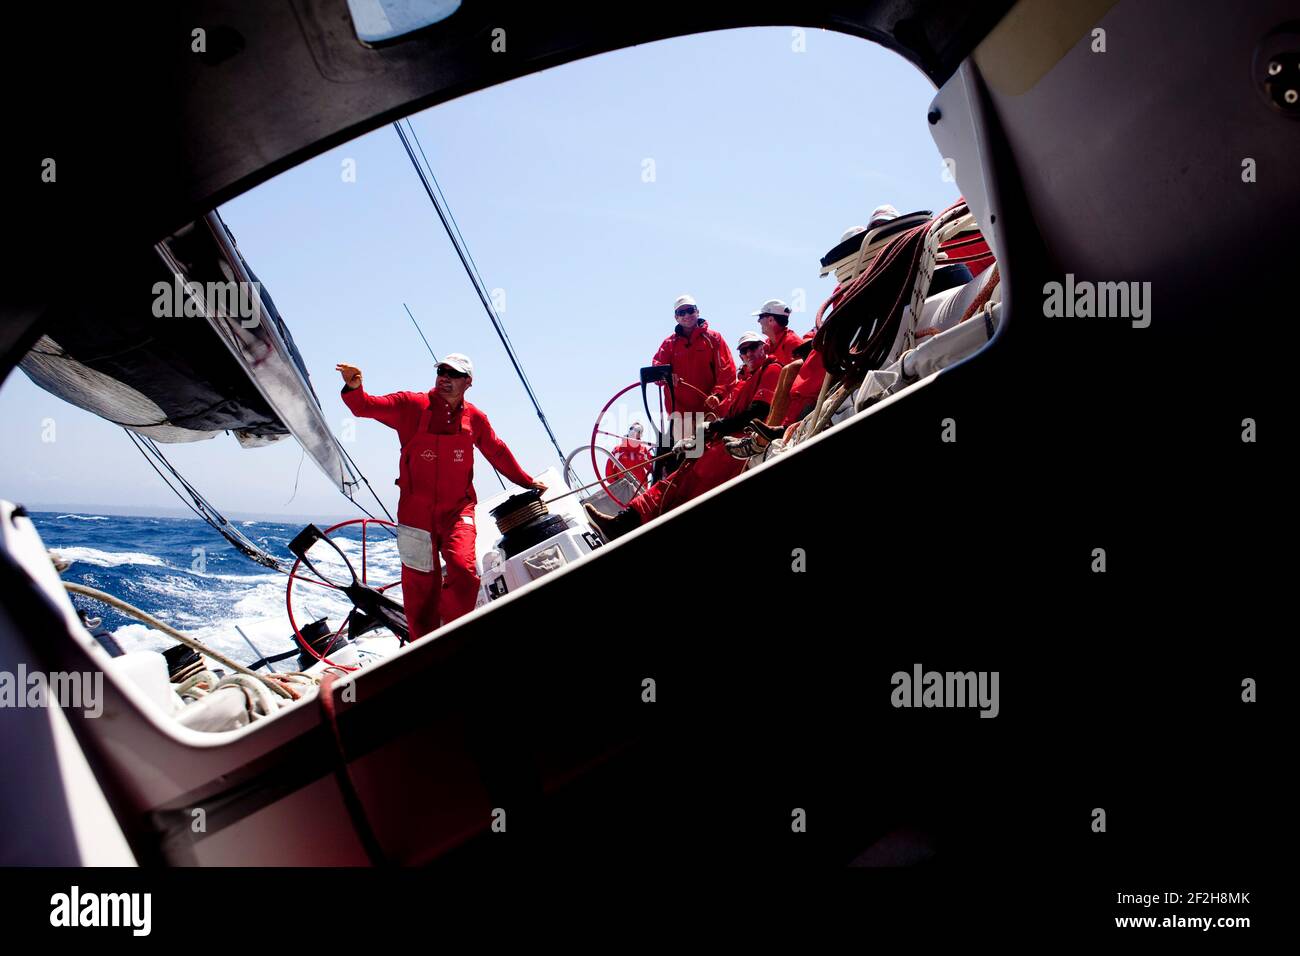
(686,310)
(448,372)
(746,349)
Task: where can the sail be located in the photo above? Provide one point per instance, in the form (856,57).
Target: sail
(187,345)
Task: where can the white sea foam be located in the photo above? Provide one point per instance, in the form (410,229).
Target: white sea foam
(139,637)
(383,563)
(209,607)
(83,517)
(171,585)
(261,616)
(109,559)
(249,579)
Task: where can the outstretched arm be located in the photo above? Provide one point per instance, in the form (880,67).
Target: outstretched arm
(499,456)
(382,408)
(734,423)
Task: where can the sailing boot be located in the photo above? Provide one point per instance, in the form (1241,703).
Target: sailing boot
(612,526)
(747,446)
(770,432)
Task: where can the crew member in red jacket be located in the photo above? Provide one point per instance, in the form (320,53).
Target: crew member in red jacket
(774,321)
(703,370)
(438,431)
(630,458)
(751,398)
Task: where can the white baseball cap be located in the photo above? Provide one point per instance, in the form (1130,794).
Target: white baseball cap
(851,232)
(773,307)
(883,214)
(459,362)
(684,300)
(747,337)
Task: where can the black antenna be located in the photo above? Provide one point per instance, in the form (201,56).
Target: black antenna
(421,331)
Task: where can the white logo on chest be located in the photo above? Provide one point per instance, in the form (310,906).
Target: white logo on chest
(428,454)
(458,454)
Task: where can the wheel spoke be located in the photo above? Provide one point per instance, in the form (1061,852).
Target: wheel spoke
(364,524)
(319,584)
(330,646)
(590,452)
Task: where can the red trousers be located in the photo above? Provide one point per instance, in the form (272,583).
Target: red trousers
(432,599)
(692,479)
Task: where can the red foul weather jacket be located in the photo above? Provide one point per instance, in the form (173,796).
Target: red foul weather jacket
(760,387)
(631,455)
(703,362)
(715,465)
(806,385)
(783,347)
(436,474)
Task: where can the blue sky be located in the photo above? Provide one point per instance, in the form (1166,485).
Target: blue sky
(762,157)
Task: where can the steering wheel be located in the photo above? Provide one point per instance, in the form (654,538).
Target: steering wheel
(374,607)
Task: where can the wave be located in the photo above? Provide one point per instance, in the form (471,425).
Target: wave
(108,559)
(83,517)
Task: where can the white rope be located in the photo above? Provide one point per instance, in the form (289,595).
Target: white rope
(172,632)
(946,226)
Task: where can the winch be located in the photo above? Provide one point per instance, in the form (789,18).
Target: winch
(524,520)
(534,541)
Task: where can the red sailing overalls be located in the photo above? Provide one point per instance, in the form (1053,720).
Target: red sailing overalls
(436,478)
(715,465)
(632,456)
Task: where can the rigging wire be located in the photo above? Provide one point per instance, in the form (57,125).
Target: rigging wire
(200,505)
(477,276)
(480,290)
(296,475)
(366,480)
(421,331)
(455,225)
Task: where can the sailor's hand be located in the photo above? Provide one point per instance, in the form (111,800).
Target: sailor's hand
(538,485)
(712,402)
(684,445)
(351,374)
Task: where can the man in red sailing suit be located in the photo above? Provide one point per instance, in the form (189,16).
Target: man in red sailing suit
(703,370)
(630,458)
(774,322)
(438,431)
(750,399)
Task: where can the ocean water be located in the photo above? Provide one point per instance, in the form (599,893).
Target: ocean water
(185,574)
